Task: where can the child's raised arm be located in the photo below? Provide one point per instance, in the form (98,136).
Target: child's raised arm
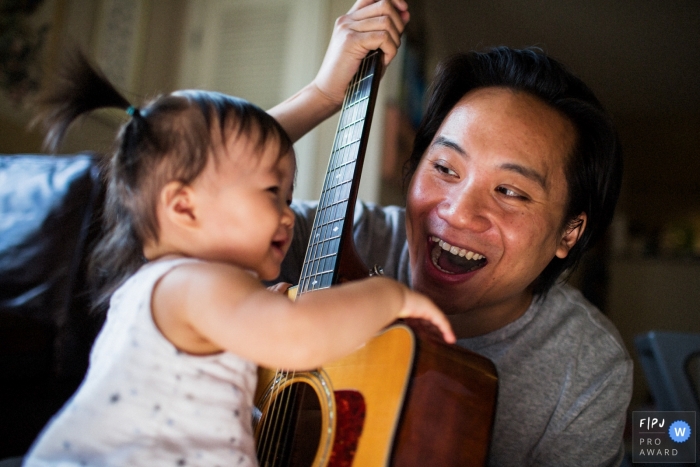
(368,25)
(207,307)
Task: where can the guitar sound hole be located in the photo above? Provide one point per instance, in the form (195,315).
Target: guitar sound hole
(291,430)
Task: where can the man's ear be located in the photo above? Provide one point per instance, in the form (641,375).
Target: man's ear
(572,233)
(178,204)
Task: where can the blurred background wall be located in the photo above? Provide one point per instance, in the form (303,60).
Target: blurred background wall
(642,58)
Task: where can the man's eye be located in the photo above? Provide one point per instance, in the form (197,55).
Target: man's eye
(444,169)
(510,193)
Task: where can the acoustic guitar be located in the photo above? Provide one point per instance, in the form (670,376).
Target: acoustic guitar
(406,398)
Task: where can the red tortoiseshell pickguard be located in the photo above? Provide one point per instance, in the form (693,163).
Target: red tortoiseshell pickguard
(350,412)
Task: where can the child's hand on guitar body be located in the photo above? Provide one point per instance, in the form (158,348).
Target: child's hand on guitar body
(417,305)
(280,287)
(414,305)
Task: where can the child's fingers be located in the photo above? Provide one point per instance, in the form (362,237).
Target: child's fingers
(441,322)
(447,332)
(419,306)
(280,287)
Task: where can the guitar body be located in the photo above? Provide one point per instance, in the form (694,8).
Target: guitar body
(404,399)
(365,396)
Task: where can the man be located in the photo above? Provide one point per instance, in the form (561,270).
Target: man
(515,173)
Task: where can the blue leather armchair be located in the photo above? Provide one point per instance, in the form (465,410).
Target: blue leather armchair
(49,217)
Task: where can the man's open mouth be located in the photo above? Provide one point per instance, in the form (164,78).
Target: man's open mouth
(454,260)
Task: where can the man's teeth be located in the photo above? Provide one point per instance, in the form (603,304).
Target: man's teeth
(457,251)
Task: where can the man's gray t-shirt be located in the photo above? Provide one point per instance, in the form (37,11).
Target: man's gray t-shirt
(564,376)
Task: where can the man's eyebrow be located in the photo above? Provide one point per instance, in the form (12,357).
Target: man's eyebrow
(527,173)
(442,141)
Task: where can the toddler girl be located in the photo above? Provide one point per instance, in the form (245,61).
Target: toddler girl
(197,214)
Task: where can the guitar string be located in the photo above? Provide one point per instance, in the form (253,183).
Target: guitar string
(340,153)
(267,437)
(280,377)
(353,88)
(277,439)
(338,192)
(264,437)
(272,448)
(346,157)
(331,213)
(325,193)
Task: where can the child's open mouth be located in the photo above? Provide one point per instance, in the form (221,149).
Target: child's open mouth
(280,245)
(454,260)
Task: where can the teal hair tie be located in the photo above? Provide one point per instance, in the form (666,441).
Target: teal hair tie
(131,110)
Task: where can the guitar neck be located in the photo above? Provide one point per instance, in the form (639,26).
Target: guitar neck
(332,227)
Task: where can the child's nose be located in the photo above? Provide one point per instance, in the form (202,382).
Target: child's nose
(288,217)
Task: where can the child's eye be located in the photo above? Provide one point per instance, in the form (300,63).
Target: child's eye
(274,190)
(510,193)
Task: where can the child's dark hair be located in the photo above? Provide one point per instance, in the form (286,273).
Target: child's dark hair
(169,138)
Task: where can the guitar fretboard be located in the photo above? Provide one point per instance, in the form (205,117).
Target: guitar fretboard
(342,179)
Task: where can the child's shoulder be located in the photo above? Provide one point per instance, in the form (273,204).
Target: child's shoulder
(187,265)
(189,275)
(195,300)
(175,272)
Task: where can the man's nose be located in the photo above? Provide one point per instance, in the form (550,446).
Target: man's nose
(466,207)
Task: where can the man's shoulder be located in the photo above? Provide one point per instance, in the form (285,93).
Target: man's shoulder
(576,322)
(375,218)
(563,370)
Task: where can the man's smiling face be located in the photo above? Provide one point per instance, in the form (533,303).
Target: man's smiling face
(485,207)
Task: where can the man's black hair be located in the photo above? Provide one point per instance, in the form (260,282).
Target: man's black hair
(593,169)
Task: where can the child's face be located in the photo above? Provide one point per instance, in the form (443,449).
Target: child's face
(244,208)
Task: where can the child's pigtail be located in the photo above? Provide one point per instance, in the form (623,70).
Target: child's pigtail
(80,88)
(77,89)
(126,163)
